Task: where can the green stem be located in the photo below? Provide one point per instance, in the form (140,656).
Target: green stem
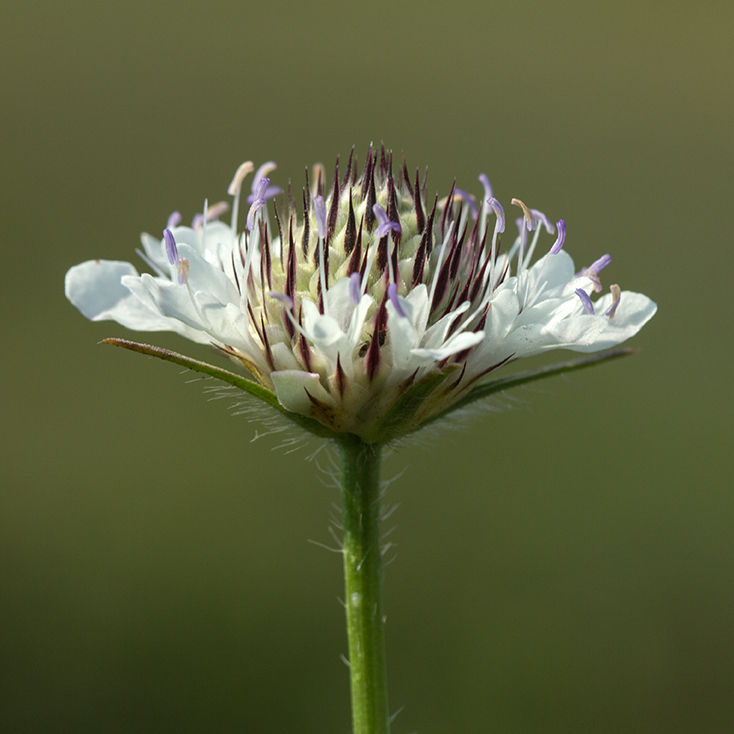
(360,488)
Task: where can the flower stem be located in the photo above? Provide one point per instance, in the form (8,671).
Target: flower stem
(360,489)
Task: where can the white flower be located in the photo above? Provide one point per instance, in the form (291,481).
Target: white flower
(370,301)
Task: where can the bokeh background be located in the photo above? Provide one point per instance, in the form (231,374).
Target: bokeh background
(564,563)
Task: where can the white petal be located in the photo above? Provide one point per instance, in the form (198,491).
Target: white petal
(457,343)
(635,310)
(95,288)
(291,386)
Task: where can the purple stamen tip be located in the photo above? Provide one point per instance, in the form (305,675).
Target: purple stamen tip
(539,216)
(499,213)
(319,210)
(174,220)
(558,244)
(285,300)
(469,199)
(355,288)
(585,301)
(487,186)
(385,225)
(197,221)
(601,263)
(258,190)
(392,294)
(171,249)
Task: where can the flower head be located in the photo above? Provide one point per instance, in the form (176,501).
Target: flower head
(369,309)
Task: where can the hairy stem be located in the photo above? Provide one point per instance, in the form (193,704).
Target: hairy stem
(360,489)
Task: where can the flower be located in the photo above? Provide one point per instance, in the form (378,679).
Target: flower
(373,311)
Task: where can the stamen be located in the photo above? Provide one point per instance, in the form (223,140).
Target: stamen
(530,222)
(558,244)
(600,264)
(487,186)
(283,298)
(197,221)
(470,200)
(258,203)
(617,293)
(585,301)
(183,271)
(171,249)
(270,191)
(234,190)
(214,211)
(355,283)
(319,210)
(392,294)
(384,224)
(499,213)
(242,172)
(174,220)
(263,171)
(539,216)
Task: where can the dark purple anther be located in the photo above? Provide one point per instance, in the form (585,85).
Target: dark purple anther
(285,300)
(319,210)
(171,249)
(600,264)
(499,213)
(384,224)
(558,244)
(392,294)
(585,301)
(355,288)
(174,220)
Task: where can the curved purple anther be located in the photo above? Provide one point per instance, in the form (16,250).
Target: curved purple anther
(539,216)
(259,188)
(384,224)
(487,186)
(171,249)
(585,301)
(392,294)
(269,191)
(558,244)
(174,220)
(499,213)
(601,263)
(197,221)
(355,288)
(469,199)
(319,210)
(258,202)
(285,300)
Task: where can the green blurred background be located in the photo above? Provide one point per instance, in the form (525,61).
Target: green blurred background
(564,564)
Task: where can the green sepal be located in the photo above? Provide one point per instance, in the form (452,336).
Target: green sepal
(242,383)
(398,419)
(522,378)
